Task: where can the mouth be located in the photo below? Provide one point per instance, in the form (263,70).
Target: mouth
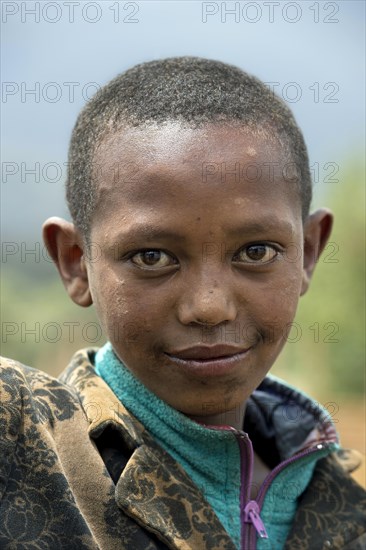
(209,361)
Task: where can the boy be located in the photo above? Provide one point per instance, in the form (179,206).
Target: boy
(191,181)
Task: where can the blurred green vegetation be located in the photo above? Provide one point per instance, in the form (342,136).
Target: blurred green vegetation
(326,350)
(41,326)
(330,355)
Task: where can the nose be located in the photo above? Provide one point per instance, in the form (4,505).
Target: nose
(207,301)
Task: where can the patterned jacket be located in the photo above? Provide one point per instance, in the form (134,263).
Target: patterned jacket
(79,472)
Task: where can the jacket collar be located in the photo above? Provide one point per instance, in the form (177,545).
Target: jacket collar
(158,493)
(152,487)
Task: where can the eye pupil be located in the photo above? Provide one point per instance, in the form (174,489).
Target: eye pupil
(256,252)
(151,257)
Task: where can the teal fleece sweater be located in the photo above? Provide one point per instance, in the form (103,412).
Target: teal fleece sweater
(211,457)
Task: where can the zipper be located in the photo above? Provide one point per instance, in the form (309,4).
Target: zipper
(250,520)
(249,509)
(251,515)
(268,480)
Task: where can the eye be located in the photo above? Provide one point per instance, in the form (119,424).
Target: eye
(256,254)
(152,259)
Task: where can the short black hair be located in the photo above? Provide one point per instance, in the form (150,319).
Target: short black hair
(192,90)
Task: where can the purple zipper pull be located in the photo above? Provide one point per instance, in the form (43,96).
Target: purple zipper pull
(251,515)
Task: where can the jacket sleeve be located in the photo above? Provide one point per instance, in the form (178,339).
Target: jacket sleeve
(10,416)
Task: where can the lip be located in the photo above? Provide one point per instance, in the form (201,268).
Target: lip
(209,360)
(207,352)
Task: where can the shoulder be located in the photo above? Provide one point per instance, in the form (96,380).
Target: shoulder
(25,390)
(38,413)
(44,450)
(339,487)
(334,502)
(30,398)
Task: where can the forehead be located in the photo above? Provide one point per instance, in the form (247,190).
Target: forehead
(178,166)
(174,143)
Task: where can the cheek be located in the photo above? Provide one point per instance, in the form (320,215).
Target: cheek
(279,300)
(129,314)
(110,299)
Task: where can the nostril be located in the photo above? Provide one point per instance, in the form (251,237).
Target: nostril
(206,324)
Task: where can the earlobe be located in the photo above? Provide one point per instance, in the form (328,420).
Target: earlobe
(317,229)
(65,246)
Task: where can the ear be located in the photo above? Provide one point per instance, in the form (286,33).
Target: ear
(317,229)
(65,246)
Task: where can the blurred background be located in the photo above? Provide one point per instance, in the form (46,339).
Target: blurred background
(56,55)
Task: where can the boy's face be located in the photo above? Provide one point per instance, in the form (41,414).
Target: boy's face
(195,272)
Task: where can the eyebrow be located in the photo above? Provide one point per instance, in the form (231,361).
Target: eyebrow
(150,233)
(264,226)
